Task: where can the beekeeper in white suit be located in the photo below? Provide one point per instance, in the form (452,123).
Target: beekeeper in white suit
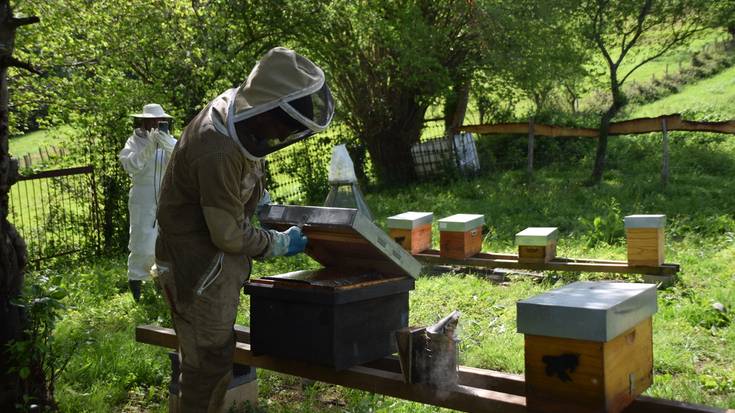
(145,158)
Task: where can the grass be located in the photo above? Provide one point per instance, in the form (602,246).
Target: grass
(31,142)
(710,98)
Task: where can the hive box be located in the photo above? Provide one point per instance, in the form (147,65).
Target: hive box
(344,313)
(588,346)
(412,230)
(460,236)
(537,244)
(645,234)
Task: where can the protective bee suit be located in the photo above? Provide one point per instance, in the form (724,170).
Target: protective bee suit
(213,185)
(145,157)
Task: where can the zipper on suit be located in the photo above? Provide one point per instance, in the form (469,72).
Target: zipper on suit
(212,276)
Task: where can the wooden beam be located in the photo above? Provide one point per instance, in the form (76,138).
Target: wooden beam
(478,390)
(372,378)
(627,127)
(490,260)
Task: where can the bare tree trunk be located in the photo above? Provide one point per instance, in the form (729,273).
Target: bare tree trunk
(601,154)
(456,108)
(12,246)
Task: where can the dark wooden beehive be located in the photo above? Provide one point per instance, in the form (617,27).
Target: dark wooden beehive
(343,314)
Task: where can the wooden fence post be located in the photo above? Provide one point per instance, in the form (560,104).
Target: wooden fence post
(665,161)
(27,160)
(530,145)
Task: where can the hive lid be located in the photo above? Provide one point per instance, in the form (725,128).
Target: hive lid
(461,222)
(410,220)
(537,236)
(584,310)
(343,239)
(645,221)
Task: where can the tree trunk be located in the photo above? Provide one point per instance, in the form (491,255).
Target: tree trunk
(617,104)
(12,246)
(456,108)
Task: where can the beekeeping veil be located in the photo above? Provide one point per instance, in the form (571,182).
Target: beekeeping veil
(286,80)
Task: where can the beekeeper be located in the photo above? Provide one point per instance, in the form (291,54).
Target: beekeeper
(211,189)
(144,158)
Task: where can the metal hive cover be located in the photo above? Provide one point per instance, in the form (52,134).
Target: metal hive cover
(343,239)
(586,310)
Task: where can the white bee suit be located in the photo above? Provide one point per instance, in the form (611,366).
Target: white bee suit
(144,157)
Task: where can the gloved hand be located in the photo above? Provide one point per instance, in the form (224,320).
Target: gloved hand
(287,243)
(297,241)
(164,140)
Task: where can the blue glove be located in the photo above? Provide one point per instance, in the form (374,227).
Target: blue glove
(296,241)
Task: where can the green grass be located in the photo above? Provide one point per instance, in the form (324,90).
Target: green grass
(30,142)
(711,98)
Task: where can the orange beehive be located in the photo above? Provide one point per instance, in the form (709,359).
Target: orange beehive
(645,236)
(412,230)
(460,235)
(537,244)
(588,346)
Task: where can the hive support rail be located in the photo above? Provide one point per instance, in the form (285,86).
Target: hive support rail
(479,390)
(510,261)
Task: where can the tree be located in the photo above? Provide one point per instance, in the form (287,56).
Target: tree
(12,246)
(639,31)
(537,47)
(388,62)
(107,58)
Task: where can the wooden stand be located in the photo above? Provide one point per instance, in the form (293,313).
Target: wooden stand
(478,390)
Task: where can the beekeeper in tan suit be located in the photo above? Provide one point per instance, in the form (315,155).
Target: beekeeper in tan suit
(212,186)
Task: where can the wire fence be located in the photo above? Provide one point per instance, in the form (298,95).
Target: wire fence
(56,212)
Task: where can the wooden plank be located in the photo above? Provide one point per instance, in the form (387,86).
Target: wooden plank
(479,391)
(375,380)
(557,264)
(633,126)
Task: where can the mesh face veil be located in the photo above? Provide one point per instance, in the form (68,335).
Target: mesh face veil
(293,90)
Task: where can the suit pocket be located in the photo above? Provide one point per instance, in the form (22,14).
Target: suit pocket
(210,276)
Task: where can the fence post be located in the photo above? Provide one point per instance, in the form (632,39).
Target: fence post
(27,160)
(665,161)
(530,145)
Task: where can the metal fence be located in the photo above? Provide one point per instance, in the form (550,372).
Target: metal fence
(56,212)
(298,174)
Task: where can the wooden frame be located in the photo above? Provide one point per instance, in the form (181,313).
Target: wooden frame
(491,260)
(478,390)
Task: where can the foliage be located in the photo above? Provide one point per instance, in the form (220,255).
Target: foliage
(37,358)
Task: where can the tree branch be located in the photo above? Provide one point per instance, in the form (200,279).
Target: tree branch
(640,24)
(16,22)
(677,39)
(10,61)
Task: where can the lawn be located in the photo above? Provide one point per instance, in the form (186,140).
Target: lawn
(30,142)
(709,99)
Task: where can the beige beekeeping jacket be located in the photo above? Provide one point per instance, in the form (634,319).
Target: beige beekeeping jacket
(208,196)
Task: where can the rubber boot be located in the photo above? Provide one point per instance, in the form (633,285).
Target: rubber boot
(135,288)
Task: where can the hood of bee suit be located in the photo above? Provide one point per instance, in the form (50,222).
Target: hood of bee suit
(281,79)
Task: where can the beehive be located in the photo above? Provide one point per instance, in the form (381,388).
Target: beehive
(645,236)
(344,313)
(588,346)
(412,230)
(460,235)
(537,244)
